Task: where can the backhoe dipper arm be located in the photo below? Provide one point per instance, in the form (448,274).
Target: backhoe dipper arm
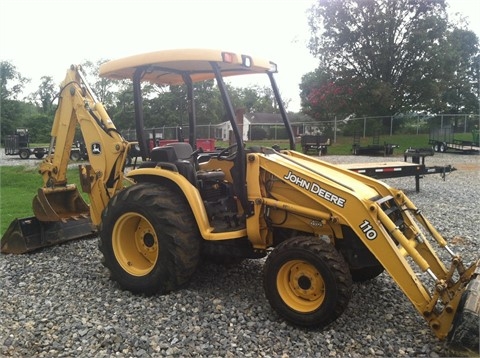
(106,148)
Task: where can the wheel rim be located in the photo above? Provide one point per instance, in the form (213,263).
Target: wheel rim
(301,286)
(135,244)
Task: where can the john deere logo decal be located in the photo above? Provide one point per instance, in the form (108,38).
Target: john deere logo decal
(96,148)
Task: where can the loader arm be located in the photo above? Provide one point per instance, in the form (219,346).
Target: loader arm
(106,148)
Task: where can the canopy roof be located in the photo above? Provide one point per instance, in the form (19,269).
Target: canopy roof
(168,67)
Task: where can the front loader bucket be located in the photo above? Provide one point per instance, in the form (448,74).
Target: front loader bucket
(463,338)
(29,234)
(59,203)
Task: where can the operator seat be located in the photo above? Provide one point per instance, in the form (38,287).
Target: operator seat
(184,151)
(182,156)
(174,157)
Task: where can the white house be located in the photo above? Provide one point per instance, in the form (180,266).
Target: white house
(223,130)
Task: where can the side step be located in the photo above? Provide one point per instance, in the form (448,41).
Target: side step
(29,234)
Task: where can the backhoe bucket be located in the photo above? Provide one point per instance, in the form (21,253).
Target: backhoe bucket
(29,234)
(463,339)
(61,215)
(59,204)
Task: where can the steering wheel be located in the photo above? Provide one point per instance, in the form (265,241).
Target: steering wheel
(223,153)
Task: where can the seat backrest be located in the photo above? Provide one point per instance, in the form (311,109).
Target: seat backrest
(185,161)
(179,155)
(163,154)
(183,150)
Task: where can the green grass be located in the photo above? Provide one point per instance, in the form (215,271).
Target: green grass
(18,186)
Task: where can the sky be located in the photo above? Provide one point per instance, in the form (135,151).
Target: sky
(44,37)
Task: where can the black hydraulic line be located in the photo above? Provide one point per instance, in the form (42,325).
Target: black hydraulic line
(99,122)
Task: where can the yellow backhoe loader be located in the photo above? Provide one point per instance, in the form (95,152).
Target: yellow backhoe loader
(319,226)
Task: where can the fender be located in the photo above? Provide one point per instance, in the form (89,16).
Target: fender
(192,195)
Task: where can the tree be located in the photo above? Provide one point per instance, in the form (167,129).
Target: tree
(166,105)
(46,94)
(323,97)
(390,52)
(12,82)
(13,111)
(461,50)
(122,110)
(103,88)
(255,99)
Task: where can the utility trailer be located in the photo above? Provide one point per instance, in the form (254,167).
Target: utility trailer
(375,148)
(442,139)
(314,142)
(415,168)
(19,144)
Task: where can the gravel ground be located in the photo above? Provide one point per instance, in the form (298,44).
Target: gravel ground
(60,301)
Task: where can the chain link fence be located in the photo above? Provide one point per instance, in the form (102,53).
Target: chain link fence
(363,126)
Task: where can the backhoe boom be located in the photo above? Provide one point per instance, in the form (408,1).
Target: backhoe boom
(106,148)
(59,208)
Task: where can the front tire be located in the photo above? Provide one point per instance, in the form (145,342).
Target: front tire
(307,281)
(149,239)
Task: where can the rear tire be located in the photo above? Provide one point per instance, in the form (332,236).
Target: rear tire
(307,281)
(149,239)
